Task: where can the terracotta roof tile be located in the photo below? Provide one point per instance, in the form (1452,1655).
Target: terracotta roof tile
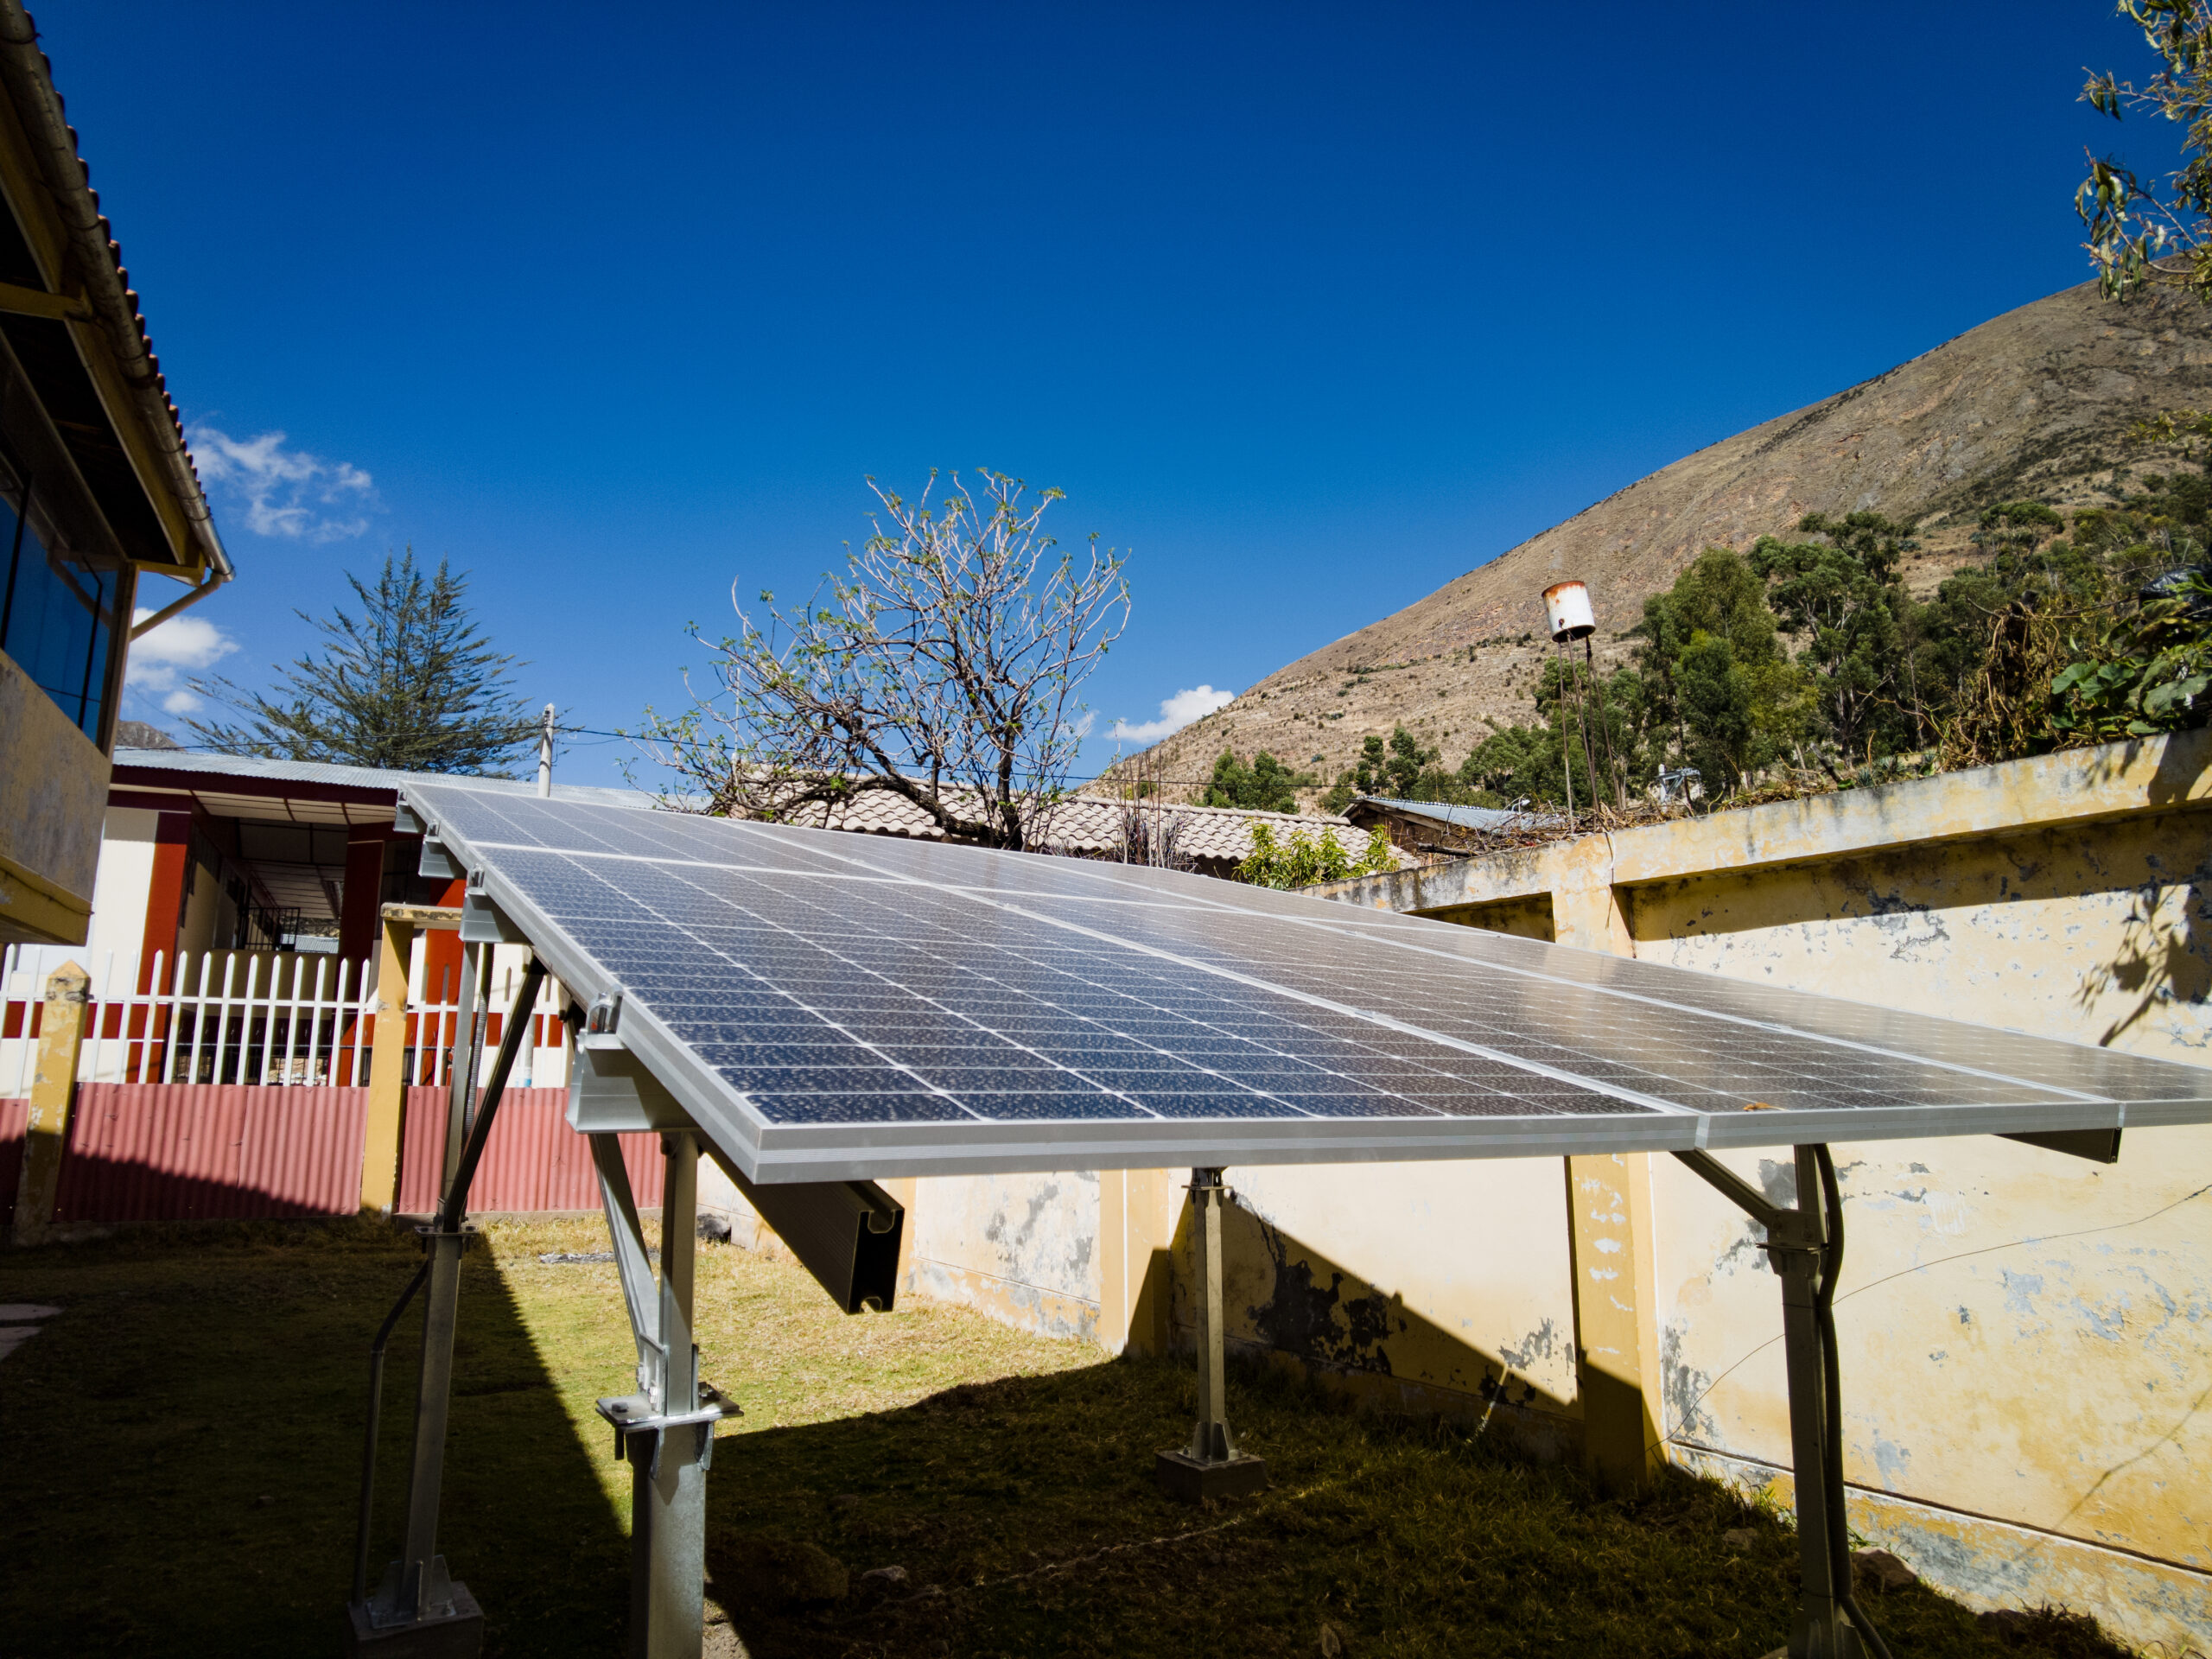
(1215,835)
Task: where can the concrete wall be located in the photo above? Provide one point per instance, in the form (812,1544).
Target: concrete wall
(1024,1248)
(2027,1338)
(52,792)
(1421,1287)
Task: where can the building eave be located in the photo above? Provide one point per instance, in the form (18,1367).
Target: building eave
(96,305)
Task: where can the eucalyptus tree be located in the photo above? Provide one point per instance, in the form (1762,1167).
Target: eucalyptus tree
(1842,599)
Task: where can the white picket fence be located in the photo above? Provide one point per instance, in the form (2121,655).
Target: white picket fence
(253,1017)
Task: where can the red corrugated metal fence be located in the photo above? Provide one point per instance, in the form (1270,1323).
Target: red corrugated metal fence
(187,1152)
(534,1161)
(204,1152)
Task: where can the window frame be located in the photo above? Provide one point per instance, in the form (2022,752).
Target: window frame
(19,489)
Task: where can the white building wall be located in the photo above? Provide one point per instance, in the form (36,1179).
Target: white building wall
(123,885)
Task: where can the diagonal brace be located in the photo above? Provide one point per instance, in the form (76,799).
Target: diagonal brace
(632,1264)
(1738,1192)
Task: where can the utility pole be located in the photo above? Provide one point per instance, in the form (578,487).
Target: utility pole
(545,756)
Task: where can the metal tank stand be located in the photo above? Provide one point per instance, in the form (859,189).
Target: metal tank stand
(1210,1466)
(1805,1243)
(666,1429)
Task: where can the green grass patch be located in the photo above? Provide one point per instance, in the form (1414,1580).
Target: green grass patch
(184,1446)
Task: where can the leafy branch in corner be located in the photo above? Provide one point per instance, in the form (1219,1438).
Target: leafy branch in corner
(2147,672)
(2140,234)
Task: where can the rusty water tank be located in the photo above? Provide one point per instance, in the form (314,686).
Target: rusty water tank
(1567,608)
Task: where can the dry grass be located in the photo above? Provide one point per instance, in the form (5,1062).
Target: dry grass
(184,1443)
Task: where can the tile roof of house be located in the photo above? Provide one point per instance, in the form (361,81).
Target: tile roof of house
(1213,835)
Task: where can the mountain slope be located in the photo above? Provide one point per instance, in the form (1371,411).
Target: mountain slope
(2036,402)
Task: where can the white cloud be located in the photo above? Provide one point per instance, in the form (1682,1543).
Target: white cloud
(288,493)
(1175,713)
(159,663)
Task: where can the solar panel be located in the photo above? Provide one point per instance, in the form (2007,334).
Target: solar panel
(834,1006)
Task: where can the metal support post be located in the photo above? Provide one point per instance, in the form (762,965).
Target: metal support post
(424,1589)
(1819,1631)
(668,1467)
(419,1610)
(1210,1466)
(1210,1440)
(1804,1242)
(666,1429)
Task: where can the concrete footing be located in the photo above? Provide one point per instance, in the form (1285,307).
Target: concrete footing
(457,1634)
(1193,1480)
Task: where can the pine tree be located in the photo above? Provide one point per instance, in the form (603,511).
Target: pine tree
(412,684)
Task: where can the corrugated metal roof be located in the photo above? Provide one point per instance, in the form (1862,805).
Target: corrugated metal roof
(197,765)
(1487,819)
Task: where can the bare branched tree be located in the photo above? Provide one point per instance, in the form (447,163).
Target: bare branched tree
(941,668)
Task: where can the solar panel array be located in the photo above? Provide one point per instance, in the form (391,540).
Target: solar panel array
(834,1006)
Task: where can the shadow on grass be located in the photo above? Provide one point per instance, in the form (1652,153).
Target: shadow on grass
(184,1451)
(1022,1515)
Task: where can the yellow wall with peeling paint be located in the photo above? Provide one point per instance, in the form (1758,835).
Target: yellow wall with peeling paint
(2026,1338)
(2101,927)
(53,794)
(1020,1247)
(1441,1287)
(2022,1335)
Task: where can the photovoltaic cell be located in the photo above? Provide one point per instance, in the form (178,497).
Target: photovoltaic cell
(831,1006)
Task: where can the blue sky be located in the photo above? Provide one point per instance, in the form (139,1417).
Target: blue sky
(1311,308)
